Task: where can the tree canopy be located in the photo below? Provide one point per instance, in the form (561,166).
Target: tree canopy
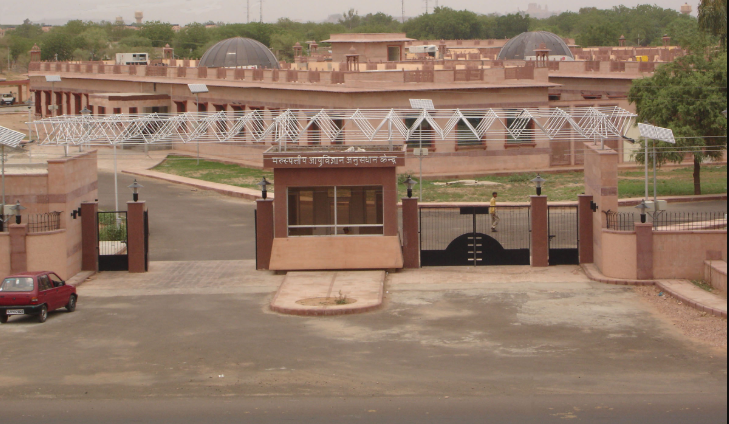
(687,96)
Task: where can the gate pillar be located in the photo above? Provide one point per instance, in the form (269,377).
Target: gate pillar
(18,251)
(135,237)
(264,233)
(410,230)
(540,231)
(585,236)
(89,237)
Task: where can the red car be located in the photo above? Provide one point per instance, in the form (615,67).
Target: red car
(35,293)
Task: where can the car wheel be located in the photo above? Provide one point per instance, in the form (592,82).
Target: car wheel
(3,319)
(43,316)
(71,306)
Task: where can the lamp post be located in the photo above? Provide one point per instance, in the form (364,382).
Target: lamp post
(264,188)
(538,182)
(135,190)
(18,208)
(410,183)
(643,207)
(196,89)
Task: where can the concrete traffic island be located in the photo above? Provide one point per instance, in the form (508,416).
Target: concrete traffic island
(329,293)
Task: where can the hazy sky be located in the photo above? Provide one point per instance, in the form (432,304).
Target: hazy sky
(185,11)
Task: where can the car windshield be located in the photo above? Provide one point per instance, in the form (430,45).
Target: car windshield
(21,284)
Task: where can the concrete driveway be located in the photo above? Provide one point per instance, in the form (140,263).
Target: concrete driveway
(186,223)
(508,333)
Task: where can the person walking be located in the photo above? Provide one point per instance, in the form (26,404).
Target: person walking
(492,211)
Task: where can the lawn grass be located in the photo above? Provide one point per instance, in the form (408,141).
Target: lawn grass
(512,188)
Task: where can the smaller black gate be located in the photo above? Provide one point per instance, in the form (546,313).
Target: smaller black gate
(563,235)
(113,255)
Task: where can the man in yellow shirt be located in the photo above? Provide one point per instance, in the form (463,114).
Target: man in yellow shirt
(492,210)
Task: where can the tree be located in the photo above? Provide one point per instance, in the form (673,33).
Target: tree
(350,19)
(57,44)
(158,33)
(688,96)
(712,18)
(192,37)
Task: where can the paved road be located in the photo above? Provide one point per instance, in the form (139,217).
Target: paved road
(185,223)
(450,345)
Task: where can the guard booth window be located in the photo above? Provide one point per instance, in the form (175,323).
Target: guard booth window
(335,211)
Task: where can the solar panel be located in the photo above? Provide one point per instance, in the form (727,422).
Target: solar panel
(10,138)
(422,104)
(198,88)
(656,133)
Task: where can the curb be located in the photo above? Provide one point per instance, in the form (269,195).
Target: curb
(692,303)
(614,281)
(315,311)
(659,284)
(239,192)
(324,312)
(83,276)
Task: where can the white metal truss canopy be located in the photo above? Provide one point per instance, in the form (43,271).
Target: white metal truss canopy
(352,127)
(10,138)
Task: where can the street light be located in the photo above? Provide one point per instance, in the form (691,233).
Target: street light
(410,183)
(264,188)
(17,208)
(539,181)
(196,89)
(643,207)
(135,190)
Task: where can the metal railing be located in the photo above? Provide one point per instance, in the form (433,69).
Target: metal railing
(621,221)
(44,222)
(688,221)
(669,221)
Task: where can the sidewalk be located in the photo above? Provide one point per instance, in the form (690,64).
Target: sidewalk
(680,289)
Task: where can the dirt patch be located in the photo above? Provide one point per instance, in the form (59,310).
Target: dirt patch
(325,301)
(697,325)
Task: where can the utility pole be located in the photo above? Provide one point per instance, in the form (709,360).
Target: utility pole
(403,11)
(248,11)
(260,11)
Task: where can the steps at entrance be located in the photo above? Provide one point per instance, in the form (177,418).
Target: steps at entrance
(715,274)
(320,293)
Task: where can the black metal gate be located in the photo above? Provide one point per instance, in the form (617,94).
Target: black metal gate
(451,236)
(563,235)
(113,255)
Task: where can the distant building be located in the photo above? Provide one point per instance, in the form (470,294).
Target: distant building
(371,71)
(686,9)
(535,11)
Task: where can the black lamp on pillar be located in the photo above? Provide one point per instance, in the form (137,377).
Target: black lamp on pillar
(410,183)
(643,207)
(264,188)
(538,182)
(18,208)
(135,190)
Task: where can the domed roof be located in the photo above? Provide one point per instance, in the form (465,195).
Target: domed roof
(523,45)
(238,52)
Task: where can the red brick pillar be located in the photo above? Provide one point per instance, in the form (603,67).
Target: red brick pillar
(18,252)
(540,231)
(584,216)
(410,236)
(644,251)
(135,236)
(264,233)
(89,237)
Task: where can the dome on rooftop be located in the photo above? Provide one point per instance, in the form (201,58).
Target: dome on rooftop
(523,45)
(239,52)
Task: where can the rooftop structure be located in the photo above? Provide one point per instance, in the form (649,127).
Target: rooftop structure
(239,52)
(523,47)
